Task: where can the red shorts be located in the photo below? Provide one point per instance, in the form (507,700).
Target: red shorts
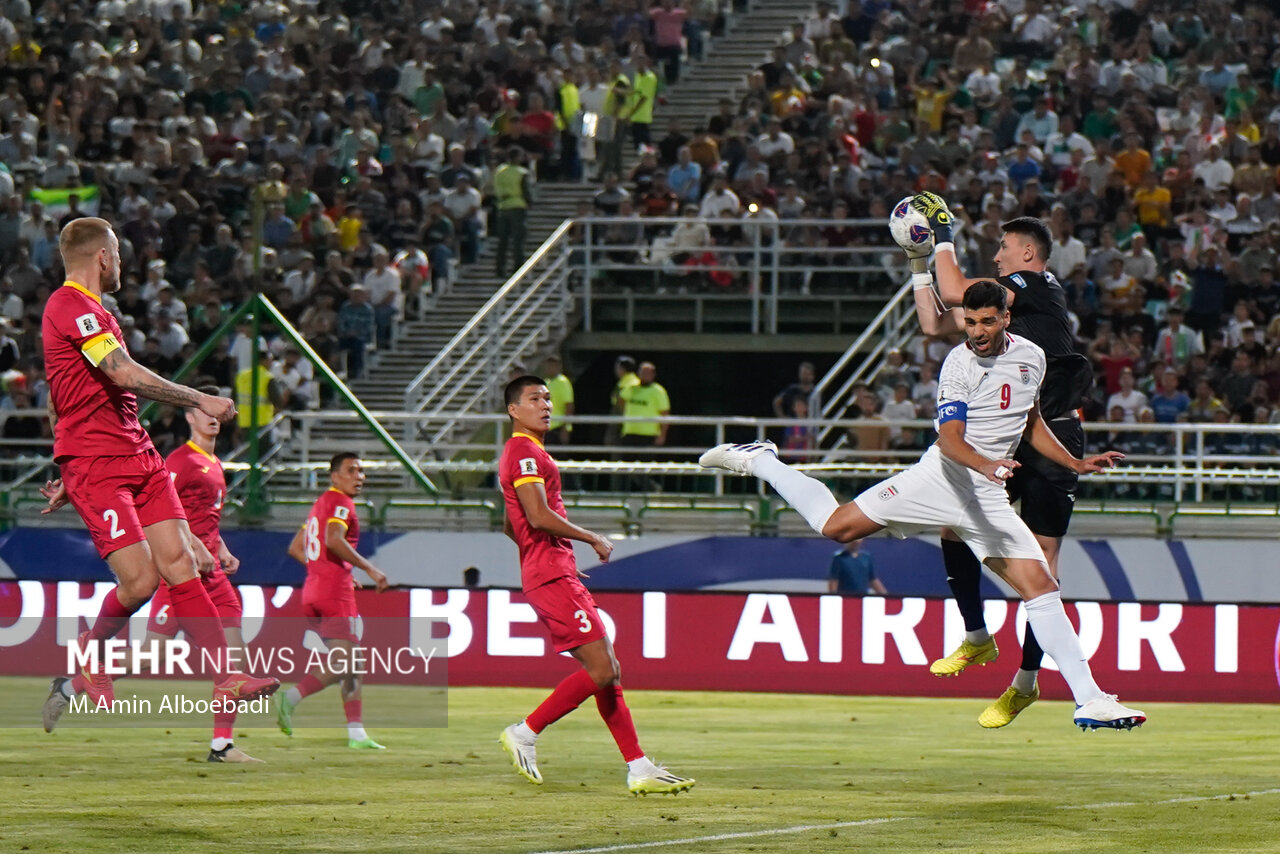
(225,599)
(567,610)
(119,496)
(333,618)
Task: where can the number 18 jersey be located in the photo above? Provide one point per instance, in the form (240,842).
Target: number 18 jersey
(329,576)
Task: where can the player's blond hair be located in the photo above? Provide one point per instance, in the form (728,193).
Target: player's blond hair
(83,237)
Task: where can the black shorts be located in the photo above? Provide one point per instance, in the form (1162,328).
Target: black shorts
(1046,489)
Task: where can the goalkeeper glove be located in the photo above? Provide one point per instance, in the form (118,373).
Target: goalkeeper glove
(940,219)
(920,276)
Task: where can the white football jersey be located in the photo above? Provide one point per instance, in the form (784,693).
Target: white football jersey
(992,395)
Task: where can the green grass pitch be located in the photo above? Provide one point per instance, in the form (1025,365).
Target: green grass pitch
(775,773)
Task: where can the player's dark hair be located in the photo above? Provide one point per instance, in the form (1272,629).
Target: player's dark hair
(986,294)
(335,463)
(1034,230)
(515,388)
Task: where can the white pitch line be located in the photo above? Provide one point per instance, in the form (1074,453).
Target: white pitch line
(1187,800)
(719,837)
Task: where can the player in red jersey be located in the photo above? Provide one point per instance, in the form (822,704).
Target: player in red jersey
(537,523)
(197,476)
(326,545)
(112,474)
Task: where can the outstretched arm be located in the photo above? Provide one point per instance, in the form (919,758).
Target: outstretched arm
(129,375)
(1044,441)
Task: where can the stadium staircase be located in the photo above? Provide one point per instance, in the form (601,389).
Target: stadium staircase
(746,43)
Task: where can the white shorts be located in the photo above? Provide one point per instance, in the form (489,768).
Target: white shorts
(935,493)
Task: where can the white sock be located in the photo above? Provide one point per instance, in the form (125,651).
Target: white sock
(219,744)
(1024,681)
(67,690)
(1058,639)
(809,497)
(978,637)
(293,695)
(643,765)
(355,731)
(522,732)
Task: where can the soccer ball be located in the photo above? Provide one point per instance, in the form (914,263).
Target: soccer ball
(909,227)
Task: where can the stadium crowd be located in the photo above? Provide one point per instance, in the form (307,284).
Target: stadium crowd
(1147,135)
(341,156)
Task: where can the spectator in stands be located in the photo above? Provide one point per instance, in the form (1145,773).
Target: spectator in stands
(806,377)
(383,284)
(1127,399)
(356,330)
(1171,404)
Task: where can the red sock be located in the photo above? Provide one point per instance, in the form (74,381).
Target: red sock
(353,708)
(112,617)
(618,718)
(223,723)
(308,685)
(568,695)
(199,619)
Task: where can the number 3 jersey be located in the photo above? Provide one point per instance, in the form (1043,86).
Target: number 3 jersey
(543,557)
(198,478)
(328,574)
(993,395)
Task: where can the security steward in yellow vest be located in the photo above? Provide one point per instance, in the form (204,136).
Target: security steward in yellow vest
(511,187)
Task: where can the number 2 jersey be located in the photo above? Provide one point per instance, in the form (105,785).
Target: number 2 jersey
(329,576)
(96,417)
(200,483)
(543,557)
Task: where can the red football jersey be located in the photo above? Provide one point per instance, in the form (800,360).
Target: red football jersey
(201,486)
(323,566)
(543,557)
(96,418)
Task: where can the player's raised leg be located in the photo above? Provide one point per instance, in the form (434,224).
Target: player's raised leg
(1043,603)
(810,497)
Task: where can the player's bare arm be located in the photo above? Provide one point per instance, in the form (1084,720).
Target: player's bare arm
(129,375)
(230,563)
(954,446)
(508,528)
(1044,441)
(934,321)
(297,549)
(335,539)
(533,501)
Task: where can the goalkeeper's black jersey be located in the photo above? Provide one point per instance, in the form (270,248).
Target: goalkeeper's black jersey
(1039,314)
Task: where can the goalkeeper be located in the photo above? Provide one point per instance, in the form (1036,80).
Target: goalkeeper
(1038,306)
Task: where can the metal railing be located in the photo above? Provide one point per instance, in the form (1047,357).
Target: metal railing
(518,313)
(761,264)
(1192,464)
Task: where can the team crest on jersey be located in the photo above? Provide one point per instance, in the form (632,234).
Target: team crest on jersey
(528,466)
(1017,279)
(341,513)
(888,492)
(1026,374)
(88,324)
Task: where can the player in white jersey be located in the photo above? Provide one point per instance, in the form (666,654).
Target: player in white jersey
(988,401)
